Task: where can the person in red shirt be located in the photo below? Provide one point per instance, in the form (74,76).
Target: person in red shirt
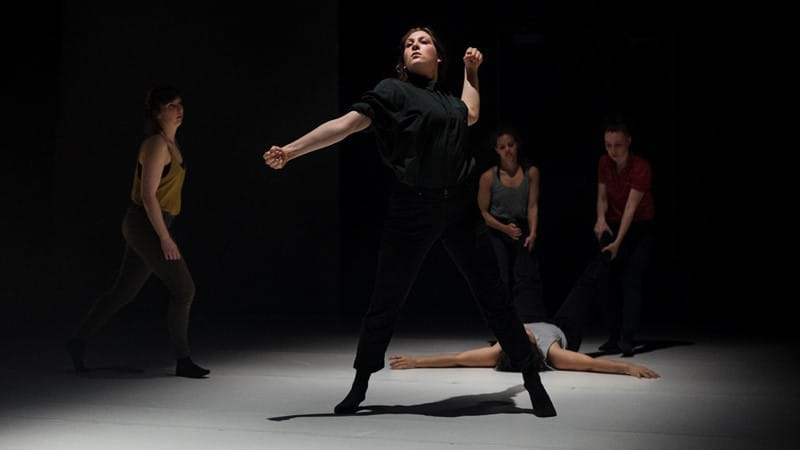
(625,208)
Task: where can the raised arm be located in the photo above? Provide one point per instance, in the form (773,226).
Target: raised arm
(322,136)
(469,93)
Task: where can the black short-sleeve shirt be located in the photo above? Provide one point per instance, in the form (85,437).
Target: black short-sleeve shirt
(421,131)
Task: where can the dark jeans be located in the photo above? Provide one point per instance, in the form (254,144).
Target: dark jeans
(623,293)
(415,221)
(519,270)
(143,257)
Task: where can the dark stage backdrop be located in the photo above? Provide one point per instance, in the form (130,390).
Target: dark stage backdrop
(703,96)
(254,239)
(706,96)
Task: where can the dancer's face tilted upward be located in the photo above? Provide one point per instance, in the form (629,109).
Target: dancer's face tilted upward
(420,55)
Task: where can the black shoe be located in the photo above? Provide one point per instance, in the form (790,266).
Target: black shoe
(350,403)
(610,346)
(357,394)
(540,400)
(75,348)
(186,368)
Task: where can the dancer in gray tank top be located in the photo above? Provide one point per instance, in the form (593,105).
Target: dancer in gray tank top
(508,198)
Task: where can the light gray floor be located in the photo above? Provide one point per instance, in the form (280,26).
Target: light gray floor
(714,394)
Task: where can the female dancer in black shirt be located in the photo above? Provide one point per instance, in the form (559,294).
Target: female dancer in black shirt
(421,133)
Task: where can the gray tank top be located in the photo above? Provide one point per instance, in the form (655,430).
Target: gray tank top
(507,203)
(545,334)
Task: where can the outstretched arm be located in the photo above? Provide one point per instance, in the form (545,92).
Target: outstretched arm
(568,360)
(323,136)
(479,357)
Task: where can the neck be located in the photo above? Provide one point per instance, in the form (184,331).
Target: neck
(509,167)
(421,78)
(169,133)
(622,162)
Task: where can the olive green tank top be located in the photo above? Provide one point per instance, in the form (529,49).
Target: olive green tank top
(169,189)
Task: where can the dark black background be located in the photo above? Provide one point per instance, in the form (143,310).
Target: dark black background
(708,92)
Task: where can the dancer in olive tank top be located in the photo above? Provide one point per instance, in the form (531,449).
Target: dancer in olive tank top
(150,249)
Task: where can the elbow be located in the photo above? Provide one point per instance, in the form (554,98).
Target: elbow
(472,117)
(149,199)
(353,122)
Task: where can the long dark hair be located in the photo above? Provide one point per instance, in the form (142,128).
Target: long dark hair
(157,97)
(504,363)
(400,68)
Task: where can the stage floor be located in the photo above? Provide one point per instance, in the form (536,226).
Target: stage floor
(276,388)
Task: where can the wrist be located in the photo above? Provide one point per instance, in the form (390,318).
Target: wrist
(289,151)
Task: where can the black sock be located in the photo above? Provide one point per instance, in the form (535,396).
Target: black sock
(542,405)
(185,367)
(75,348)
(626,346)
(356,395)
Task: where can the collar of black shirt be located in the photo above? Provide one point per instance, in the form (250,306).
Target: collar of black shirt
(423,82)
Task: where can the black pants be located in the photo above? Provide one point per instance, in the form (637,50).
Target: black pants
(623,293)
(415,222)
(143,257)
(519,270)
(575,313)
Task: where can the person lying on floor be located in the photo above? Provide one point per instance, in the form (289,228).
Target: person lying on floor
(557,339)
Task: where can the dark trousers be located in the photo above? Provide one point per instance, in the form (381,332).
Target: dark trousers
(415,221)
(143,256)
(623,293)
(519,270)
(575,313)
